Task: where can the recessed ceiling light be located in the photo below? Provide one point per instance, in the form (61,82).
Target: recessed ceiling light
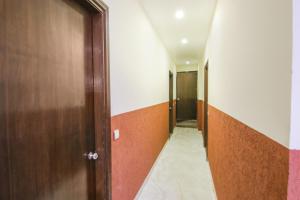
(179,14)
(184,41)
(188,62)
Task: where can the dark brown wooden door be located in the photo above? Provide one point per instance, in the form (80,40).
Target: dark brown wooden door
(46,101)
(205,132)
(186,96)
(171,123)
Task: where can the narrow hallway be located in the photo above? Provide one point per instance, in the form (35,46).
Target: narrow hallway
(181,171)
(116,100)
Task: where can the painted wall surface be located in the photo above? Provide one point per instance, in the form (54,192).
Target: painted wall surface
(295,115)
(294,172)
(250,59)
(139,73)
(139,63)
(245,164)
(187,68)
(294,175)
(143,134)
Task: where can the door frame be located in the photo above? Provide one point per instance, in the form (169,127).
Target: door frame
(205,128)
(171,106)
(101,92)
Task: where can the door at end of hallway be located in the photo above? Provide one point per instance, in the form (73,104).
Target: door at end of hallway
(186,98)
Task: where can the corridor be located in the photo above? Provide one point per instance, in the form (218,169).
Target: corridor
(149,100)
(181,171)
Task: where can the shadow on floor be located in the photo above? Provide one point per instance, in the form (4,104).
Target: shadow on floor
(187,124)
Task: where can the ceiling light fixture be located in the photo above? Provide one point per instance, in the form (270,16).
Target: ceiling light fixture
(179,14)
(188,62)
(184,41)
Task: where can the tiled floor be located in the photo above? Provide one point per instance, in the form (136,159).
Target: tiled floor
(181,171)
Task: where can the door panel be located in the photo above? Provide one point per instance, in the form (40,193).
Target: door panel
(46,102)
(171,126)
(186,96)
(206,107)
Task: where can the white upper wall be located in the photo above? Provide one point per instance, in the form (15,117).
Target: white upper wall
(187,68)
(295,125)
(139,63)
(250,59)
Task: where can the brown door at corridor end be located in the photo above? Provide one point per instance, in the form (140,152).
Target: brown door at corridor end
(52,115)
(186,96)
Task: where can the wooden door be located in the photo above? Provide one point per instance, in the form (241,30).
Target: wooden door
(205,132)
(171,123)
(47,102)
(186,96)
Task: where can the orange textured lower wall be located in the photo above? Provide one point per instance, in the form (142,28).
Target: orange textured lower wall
(200,115)
(143,134)
(245,163)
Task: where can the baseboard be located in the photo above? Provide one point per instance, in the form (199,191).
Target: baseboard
(150,172)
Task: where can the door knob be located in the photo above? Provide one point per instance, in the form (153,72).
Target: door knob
(170,108)
(92,156)
(178,99)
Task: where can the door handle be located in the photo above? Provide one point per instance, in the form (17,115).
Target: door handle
(92,156)
(170,108)
(178,99)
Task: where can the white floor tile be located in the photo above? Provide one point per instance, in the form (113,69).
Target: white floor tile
(181,172)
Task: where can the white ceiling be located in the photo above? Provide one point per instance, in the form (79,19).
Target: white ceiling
(194,26)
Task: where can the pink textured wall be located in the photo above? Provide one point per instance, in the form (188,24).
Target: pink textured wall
(294,175)
(143,134)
